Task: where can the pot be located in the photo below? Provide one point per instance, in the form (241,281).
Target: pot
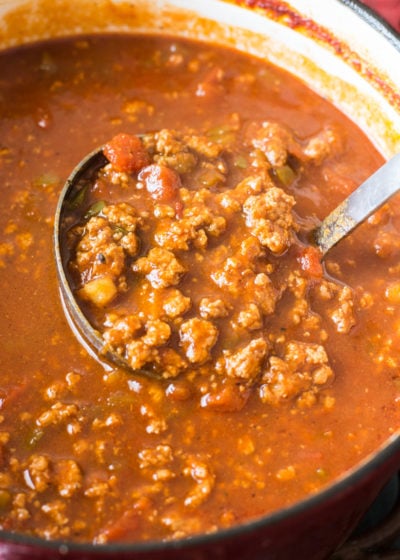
(360,73)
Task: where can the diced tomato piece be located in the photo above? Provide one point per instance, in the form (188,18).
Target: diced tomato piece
(122,528)
(126,153)
(229,398)
(162,182)
(310,261)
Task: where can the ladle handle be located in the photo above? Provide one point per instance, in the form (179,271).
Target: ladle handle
(363,202)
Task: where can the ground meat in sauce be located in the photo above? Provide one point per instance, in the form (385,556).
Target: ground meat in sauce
(198,275)
(182,258)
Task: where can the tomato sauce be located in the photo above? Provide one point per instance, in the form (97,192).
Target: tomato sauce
(98,454)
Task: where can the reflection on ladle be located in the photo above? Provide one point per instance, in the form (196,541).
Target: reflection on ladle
(365,200)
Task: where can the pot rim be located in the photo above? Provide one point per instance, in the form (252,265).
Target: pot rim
(375,20)
(356,476)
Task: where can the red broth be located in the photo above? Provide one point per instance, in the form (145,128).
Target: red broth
(100,454)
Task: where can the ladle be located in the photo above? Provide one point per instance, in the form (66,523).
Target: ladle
(356,208)
(69,198)
(359,205)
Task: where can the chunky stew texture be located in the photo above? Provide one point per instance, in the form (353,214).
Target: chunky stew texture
(187,253)
(273,372)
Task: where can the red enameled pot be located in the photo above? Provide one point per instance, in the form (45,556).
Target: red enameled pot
(351,56)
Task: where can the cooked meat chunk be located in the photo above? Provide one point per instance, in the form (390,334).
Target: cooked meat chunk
(250,317)
(251,249)
(168,142)
(98,253)
(232,275)
(38,474)
(246,363)
(143,350)
(341,311)
(175,303)
(179,234)
(269,217)
(138,353)
(181,152)
(161,268)
(276,141)
(204,146)
(69,477)
(204,478)
(158,456)
(171,150)
(260,291)
(120,330)
(157,333)
(198,337)
(343,315)
(106,241)
(303,368)
(57,413)
(103,238)
(198,222)
(124,222)
(213,308)
(233,199)
(170,363)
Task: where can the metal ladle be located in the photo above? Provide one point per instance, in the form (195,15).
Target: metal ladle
(359,205)
(69,198)
(356,208)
